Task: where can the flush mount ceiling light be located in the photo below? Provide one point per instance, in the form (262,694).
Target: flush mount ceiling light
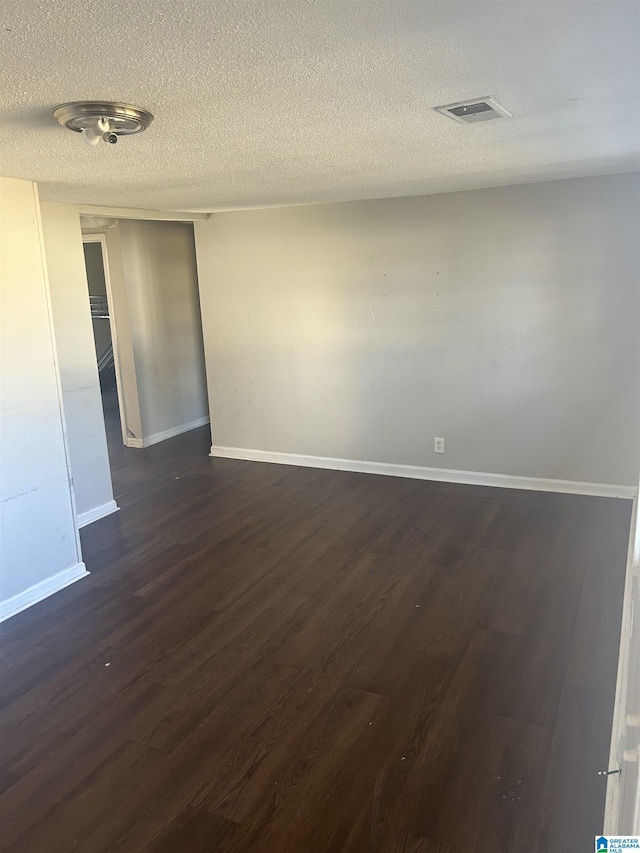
(96,223)
(471,112)
(106,120)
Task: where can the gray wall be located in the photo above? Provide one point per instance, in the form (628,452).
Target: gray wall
(38,530)
(158,266)
(505,320)
(76,357)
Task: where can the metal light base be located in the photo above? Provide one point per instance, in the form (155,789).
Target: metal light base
(124,119)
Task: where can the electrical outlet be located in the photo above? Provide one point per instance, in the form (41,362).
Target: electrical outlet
(438,445)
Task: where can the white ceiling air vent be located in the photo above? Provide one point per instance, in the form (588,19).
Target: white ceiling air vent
(470,112)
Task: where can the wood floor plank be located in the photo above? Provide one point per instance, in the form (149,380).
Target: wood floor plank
(544,646)
(466,526)
(283,660)
(58,710)
(386,839)
(499,775)
(276,801)
(458,729)
(456,604)
(510,606)
(269,739)
(351,813)
(255,688)
(27,808)
(239,636)
(195,831)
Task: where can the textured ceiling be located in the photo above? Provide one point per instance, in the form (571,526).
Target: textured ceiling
(261,103)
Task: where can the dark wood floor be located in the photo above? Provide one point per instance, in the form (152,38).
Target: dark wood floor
(269,658)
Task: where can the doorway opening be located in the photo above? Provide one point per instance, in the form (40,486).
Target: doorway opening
(105,337)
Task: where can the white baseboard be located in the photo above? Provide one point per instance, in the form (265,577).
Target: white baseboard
(33,594)
(442,475)
(97,512)
(167,433)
